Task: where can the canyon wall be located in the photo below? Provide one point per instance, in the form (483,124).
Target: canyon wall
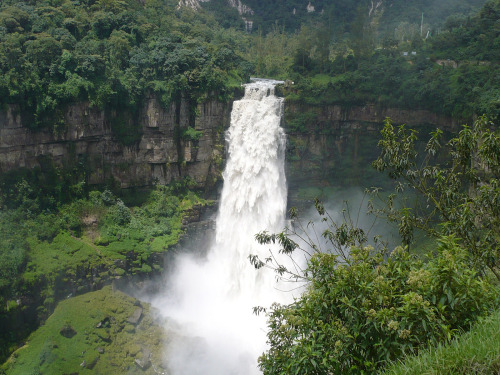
(162,152)
(329,140)
(335,123)
(333,145)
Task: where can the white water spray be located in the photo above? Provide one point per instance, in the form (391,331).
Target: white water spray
(209,303)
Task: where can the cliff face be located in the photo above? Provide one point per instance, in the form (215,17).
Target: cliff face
(336,123)
(334,138)
(161,153)
(334,145)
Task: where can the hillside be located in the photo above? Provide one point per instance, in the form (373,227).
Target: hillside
(455,73)
(112,54)
(341,16)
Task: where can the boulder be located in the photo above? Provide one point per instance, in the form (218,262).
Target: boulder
(136,316)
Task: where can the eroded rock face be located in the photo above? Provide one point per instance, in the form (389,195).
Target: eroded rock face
(195,4)
(338,117)
(242,8)
(160,155)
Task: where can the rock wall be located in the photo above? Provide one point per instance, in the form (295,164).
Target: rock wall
(334,145)
(335,123)
(338,117)
(161,154)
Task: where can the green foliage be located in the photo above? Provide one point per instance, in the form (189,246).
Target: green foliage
(191,134)
(342,16)
(363,308)
(111,53)
(475,38)
(12,252)
(394,82)
(361,311)
(104,342)
(461,193)
(476,352)
(47,255)
(356,67)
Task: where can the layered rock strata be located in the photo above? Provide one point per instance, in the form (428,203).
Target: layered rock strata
(162,153)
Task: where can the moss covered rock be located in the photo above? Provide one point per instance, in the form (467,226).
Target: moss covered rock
(102,341)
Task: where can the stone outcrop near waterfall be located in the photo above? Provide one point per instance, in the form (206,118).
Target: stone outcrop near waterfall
(161,154)
(196,4)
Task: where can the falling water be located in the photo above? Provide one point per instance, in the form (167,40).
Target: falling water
(210,301)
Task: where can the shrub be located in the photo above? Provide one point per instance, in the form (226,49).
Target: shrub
(461,192)
(191,134)
(358,313)
(118,214)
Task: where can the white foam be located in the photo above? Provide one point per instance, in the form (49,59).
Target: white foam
(209,302)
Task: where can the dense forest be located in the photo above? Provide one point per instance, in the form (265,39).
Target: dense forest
(110,53)
(62,236)
(454,72)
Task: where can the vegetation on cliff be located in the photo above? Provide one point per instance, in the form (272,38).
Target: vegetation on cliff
(112,54)
(356,316)
(96,333)
(51,251)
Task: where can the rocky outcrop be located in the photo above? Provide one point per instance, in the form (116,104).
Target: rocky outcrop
(242,8)
(162,152)
(194,4)
(237,4)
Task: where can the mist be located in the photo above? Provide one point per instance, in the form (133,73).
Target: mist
(350,206)
(209,298)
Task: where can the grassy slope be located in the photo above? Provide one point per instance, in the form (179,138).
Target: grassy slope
(48,352)
(476,352)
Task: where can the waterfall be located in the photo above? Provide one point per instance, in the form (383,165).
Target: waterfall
(209,301)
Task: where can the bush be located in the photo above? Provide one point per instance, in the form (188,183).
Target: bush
(191,134)
(118,214)
(366,310)
(457,185)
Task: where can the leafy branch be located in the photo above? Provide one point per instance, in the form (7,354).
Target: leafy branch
(457,185)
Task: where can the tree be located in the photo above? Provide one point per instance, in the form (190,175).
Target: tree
(362,307)
(457,195)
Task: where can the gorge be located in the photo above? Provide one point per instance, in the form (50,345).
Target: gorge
(140,165)
(161,154)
